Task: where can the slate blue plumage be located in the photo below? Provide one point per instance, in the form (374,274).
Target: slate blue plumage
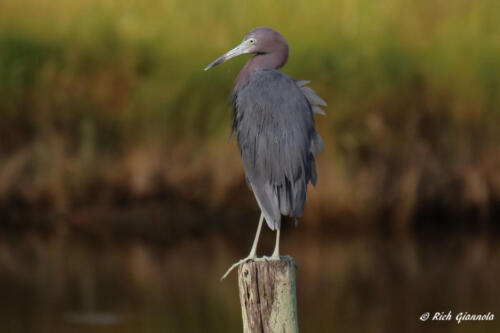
(274,128)
(273,125)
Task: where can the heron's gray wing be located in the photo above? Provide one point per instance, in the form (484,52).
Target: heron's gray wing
(274,128)
(316,102)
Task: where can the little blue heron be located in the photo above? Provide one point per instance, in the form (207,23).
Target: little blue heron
(274,128)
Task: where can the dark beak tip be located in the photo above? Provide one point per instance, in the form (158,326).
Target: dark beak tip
(216,62)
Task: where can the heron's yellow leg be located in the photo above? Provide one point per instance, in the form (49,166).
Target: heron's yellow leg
(253,251)
(276,252)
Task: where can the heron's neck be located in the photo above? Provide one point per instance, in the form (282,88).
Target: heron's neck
(274,60)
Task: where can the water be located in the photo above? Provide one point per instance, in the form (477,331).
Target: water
(69,281)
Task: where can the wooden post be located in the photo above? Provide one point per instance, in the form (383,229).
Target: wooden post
(267,296)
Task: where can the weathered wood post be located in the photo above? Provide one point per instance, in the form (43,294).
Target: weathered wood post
(267,296)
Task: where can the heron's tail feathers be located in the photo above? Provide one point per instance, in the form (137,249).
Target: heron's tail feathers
(268,203)
(287,199)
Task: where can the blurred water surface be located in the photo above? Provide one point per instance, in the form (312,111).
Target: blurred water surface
(67,280)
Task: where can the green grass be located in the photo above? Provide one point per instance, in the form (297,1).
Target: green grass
(412,87)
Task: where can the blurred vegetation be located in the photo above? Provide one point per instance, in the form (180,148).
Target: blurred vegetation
(105,101)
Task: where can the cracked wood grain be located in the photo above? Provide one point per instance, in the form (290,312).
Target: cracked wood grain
(267,296)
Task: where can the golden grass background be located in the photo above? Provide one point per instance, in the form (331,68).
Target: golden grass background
(105,100)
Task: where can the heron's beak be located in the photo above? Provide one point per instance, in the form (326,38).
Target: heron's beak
(243,48)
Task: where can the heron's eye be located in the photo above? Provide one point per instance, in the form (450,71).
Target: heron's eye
(251,41)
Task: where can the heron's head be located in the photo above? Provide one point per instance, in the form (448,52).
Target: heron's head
(260,40)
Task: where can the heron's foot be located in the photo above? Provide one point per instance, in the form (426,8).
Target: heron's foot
(244,260)
(274,257)
(236,264)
